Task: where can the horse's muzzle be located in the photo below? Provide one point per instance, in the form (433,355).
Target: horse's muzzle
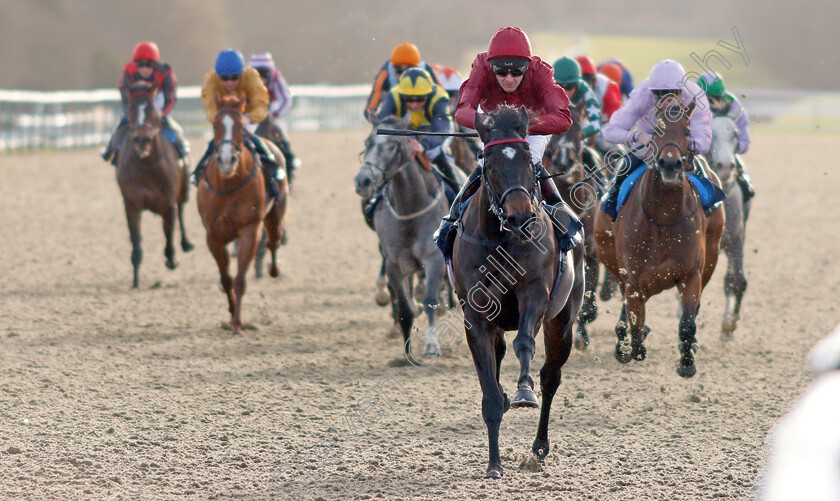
(364,184)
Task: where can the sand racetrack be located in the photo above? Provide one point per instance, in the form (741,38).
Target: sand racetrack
(141,395)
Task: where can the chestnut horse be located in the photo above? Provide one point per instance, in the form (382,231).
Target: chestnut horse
(510,276)
(660,239)
(150,177)
(232,204)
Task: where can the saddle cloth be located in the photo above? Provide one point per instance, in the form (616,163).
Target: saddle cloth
(710,194)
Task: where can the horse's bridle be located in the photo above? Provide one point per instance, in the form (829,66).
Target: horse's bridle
(497,201)
(237,148)
(154,130)
(402,157)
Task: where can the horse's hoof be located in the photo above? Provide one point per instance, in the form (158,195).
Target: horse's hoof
(639,353)
(187,246)
(382,297)
(171,264)
(274,271)
(605,295)
(525,397)
(647,331)
(394,332)
(494,471)
(284,239)
(686,371)
(540,449)
(623,353)
(431,349)
(581,340)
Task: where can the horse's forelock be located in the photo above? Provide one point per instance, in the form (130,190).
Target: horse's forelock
(507,121)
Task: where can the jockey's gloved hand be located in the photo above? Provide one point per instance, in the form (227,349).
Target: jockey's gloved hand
(251,127)
(692,145)
(643,138)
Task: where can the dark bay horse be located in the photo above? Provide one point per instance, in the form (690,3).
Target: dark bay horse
(573,165)
(722,160)
(661,239)
(412,205)
(510,276)
(150,176)
(232,204)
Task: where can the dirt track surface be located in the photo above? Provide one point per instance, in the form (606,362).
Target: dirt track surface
(141,394)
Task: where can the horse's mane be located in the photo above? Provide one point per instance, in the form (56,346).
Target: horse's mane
(508,120)
(232,102)
(141,86)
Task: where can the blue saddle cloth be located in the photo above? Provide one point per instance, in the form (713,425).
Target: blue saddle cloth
(710,194)
(170,135)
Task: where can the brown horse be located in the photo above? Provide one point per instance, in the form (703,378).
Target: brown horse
(461,152)
(150,176)
(509,275)
(573,165)
(660,239)
(232,204)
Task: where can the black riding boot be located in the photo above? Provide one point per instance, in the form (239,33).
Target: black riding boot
(202,164)
(610,201)
(109,154)
(269,167)
(444,236)
(448,174)
(567,225)
(744,180)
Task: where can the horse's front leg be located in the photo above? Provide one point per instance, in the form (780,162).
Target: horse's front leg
(132,215)
(273,230)
(217,248)
(168,216)
(532,308)
(248,238)
(635,307)
(402,302)
(434,285)
(690,292)
(734,286)
(482,340)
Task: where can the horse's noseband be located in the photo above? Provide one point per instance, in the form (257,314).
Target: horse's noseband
(237,148)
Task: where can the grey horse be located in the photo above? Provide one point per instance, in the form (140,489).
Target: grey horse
(722,159)
(410,209)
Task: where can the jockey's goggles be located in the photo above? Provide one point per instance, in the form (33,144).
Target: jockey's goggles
(265,73)
(515,71)
(399,69)
(144,63)
(415,99)
(569,87)
(229,78)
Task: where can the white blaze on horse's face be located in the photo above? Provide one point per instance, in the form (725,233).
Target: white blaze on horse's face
(509,152)
(226,152)
(141,114)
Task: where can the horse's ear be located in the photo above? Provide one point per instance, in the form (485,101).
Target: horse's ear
(690,109)
(218,100)
(523,121)
(481,127)
(404,122)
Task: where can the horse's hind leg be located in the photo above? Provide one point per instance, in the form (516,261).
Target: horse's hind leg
(169,231)
(247,249)
(132,215)
(558,346)
(589,309)
(186,245)
(609,286)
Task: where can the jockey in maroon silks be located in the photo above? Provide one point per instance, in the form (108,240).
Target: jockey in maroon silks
(145,66)
(507,74)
